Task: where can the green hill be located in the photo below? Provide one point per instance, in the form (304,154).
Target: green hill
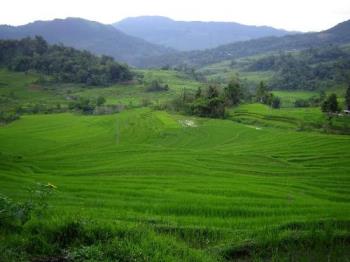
(309,69)
(150,185)
(206,190)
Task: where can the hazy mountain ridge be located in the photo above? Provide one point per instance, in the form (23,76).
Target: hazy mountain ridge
(105,39)
(92,36)
(194,35)
(337,35)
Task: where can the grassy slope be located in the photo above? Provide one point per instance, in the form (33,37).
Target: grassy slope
(134,94)
(219,188)
(288,118)
(206,185)
(223,72)
(19,89)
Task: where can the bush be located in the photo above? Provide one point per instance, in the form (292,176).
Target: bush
(330,105)
(84,105)
(155,86)
(18,213)
(214,107)
(276,102)
(301,103)
(7,117)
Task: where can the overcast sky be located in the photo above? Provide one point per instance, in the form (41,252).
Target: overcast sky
(301,15)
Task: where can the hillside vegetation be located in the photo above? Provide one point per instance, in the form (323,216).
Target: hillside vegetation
(310,69)
(334,36)
(244,159)
(64,64)
(192,186)
(150,185)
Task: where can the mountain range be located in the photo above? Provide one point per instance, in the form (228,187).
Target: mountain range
(186,36)
(88,35)
(337,35)
(110,40)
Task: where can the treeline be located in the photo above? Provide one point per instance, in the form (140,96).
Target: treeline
(214,100)
(63,64)
(309,70)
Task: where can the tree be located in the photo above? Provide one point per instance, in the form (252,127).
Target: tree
(64,64)
(276,102)
(347,98)
(100,101)
(262,93)
(41,45)
(198,93)
(330,105)
(233,93)
(157,87)
(212,92)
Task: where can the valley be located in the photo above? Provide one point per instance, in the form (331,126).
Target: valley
(205,155)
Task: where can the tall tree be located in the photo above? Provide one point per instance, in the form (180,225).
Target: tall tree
(233,93)
(276,102)
(198,93)
(347,98)
(212,92)
(330,105)
(262,93)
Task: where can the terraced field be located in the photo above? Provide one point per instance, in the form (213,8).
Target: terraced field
(299,119)
(217,188)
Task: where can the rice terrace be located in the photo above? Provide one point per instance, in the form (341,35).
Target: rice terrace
(139,147)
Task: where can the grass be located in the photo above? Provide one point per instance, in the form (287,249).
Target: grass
(141,186)
(193,185)
(299,119)
(223,72)
(135,94)
(288,98)
(21,90)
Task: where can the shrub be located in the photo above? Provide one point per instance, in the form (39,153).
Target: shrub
(18,213)
(301,103)
(7,117)
(276,102)
(156,86)
(330,105)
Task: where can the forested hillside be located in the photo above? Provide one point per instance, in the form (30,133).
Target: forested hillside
(337,35)
(64,64)
(309,69)
(83,34)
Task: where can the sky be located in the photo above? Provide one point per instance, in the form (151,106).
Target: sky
(298,15)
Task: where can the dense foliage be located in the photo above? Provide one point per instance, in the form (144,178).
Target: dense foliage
(308,69)
(14,213)
(347,98)
(211,102)
(330,105)
(157,86)
(64,64)
(264,96)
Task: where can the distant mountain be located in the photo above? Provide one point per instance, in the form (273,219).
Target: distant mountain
(338,35)
(185,36)
(92,36)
